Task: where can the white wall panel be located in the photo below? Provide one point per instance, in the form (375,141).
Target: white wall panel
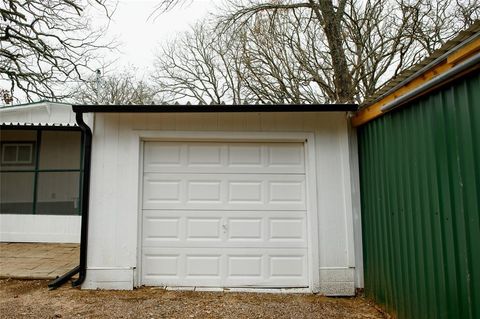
(39,228)
(120,224)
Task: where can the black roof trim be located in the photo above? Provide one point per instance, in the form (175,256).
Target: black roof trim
(188,108)
(36,127)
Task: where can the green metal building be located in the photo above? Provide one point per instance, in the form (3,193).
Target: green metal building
(419,151)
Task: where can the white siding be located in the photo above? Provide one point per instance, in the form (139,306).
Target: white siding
(40,228)
(116,166)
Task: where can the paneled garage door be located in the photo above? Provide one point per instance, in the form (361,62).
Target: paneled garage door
(224,215)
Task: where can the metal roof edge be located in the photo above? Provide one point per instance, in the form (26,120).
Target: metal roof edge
(18,107)
(189,108)
(37,126)
(422,70)
(453,53)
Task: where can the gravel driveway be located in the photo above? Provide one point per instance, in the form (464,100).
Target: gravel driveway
(31,299)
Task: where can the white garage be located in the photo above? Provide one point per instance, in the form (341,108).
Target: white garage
(222,214)
(200,197)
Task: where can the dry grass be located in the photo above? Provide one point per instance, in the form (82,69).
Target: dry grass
(31,299)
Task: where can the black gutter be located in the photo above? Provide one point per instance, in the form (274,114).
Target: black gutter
(33,127)
(87,154)
(82,267)
(189,108)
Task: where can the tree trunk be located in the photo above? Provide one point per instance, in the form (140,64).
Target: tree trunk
(331,22)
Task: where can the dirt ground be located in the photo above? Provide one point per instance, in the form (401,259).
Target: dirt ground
(31,299)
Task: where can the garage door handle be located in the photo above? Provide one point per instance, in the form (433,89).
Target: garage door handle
(225,228)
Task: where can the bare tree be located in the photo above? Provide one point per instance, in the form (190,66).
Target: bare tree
(44,43)
(253,65)
(118,88)
(200,66)
(332,51)
(383,38)
(323,11)
(282,60)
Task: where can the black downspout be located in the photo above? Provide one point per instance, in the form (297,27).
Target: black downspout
(82,268)
(85,198)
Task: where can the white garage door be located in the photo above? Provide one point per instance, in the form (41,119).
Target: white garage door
(224,215)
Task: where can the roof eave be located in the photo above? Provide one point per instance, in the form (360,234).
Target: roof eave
(456,51)
(188,108)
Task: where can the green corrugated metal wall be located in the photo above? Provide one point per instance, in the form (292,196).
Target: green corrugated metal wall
(420,186)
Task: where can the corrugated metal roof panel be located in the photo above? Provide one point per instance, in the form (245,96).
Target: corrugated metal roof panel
(436,57)
(38,124)
(41,103)
(38,114)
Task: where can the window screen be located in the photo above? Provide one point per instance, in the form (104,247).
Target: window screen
(58,193)
(16,192)
(50,186)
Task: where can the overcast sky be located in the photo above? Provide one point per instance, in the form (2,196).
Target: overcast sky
(140,34)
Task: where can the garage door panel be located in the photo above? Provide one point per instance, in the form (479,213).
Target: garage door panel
(245,192)
(164,265)
(224,157)
(287,229)
(231,229)
(224,191)
(245,229)
(203,229)
(221,244)
(181,213)
(229,268)
(204,191)
(245,265)
(204,155)
(159,156)
(162,190)
(202,265)
(287,191)
(286,156)
(162,228)
(224,215)
(246,156)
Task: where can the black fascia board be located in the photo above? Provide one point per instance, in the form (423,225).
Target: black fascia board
(34,127)
(190,108)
